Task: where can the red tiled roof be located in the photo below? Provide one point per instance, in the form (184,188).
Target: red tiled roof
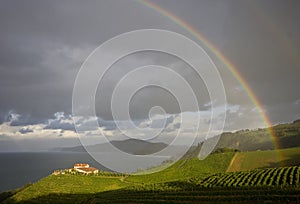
(80,164)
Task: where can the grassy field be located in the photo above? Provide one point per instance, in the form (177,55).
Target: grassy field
(243,161)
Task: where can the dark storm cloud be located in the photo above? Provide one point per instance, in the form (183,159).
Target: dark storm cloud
(25,73)
(268,58)
(43,43)
(146,98)
(34,65)
(261,38)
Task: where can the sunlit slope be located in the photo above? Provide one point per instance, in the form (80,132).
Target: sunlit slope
(243,161)
(187,168)
(78,187)
(280,176)
(272,185)
(286,135)
(70,188)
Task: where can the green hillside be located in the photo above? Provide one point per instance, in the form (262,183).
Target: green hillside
(281,176)
(187,168)
(287,135)
(188,180)
(243,161)
(86,185)
(274,185)
(78,187)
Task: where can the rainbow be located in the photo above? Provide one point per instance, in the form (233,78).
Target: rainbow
(226,61)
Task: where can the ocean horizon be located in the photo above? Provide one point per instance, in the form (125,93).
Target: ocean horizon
(21,168)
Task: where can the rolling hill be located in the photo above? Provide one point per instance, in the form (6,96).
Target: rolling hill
(287,135)
(131,146)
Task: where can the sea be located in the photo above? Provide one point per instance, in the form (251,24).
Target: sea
(19,169)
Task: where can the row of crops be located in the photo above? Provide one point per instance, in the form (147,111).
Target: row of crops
(263,185)
(279,185)
(283,176)
(199,196)
(272,177)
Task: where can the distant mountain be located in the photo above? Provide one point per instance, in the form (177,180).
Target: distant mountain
(286,135)
(138,147)
(131,146)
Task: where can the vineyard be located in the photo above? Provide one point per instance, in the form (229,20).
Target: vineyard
(188,181)
(199,196)
(283,176)
(269,185)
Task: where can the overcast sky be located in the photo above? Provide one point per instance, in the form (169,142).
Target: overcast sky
(44,43)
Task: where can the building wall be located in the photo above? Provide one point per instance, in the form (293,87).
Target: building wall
(85,166)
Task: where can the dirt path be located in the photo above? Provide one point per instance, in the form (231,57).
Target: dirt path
(234,163)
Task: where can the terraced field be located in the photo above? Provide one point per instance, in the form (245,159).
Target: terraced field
(275,185)
(283,176)
(200,196)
